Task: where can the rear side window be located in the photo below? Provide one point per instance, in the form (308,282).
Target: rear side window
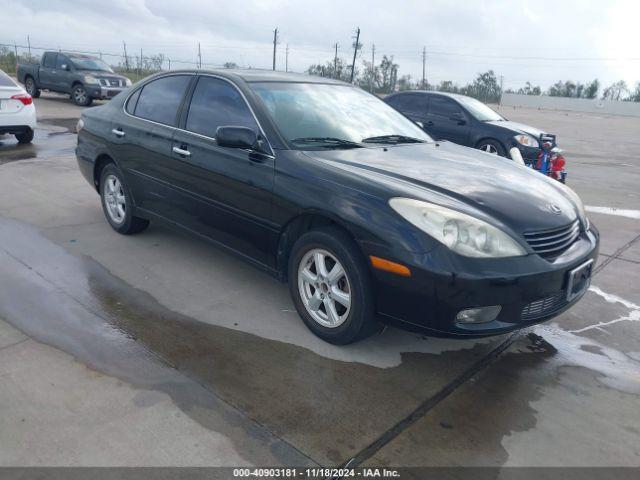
(160,100)
(49,60)
(131,103)
(409,103)
(5,80)
(443,107)
(217,103)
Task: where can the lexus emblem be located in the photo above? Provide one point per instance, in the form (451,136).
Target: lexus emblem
(553,208)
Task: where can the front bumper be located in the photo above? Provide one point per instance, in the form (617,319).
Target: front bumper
(102,92)
(529,289)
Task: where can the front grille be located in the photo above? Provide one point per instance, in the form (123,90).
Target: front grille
(112,82)
(550,244)
(544,306)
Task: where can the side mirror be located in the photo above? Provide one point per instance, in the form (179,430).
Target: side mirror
(65,67)
(458,117)
(236,137)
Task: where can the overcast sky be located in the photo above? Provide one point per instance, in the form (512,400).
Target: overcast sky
(541,41)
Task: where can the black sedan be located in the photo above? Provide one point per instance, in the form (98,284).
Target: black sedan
(467,121)
(325,186)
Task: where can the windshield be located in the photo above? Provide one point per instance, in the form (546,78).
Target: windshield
(479,110)
(90,64)
(311,115)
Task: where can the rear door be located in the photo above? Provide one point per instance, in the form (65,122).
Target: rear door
(47,75)
(447,121)
(62,75)
(141,140)
(224,193)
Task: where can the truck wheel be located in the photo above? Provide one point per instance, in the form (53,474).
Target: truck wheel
(80,96)
(25,137)
(31,88)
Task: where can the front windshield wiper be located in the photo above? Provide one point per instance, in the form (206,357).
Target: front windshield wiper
(329,142)
(392,139)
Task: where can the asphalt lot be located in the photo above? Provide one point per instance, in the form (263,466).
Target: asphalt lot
(160,350)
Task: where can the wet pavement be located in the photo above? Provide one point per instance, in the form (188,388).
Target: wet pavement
(179,354)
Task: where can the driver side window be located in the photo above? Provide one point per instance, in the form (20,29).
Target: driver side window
(443,107)
(216,103)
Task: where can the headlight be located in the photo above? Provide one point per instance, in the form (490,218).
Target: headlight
(127,82)
(582,214)
(464,234)
(527,141)
(91,80)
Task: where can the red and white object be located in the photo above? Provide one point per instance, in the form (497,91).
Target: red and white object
(17,111)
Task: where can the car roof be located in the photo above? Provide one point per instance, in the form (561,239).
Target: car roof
(455,96)
(255,75)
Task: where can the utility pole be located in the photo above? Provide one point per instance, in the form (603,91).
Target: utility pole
(169,60)
(199,56)
(501,81)
(286,59)
(355,52)
(373,66)
(335,62)
(126,58)
(424,68)
(15,49)
(29,46)
(140,65)
(275,42)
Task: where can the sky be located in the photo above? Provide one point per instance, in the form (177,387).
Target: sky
(523,40)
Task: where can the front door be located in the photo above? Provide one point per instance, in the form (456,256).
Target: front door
(447,121)
(47,74)
(224,193)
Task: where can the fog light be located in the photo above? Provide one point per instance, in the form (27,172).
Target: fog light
(479,314)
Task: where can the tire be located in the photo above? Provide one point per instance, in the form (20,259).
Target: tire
(31,87)
(125,222)
(492,146)
(353,323)
(26,137)
(80,96)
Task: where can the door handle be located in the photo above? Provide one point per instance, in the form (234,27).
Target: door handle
(429,123)
(118,132)
(180,151)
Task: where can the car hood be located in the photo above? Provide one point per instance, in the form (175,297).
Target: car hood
(96,74)
(486,186)
(517,127)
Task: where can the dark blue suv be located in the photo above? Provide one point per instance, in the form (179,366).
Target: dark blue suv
(467,121)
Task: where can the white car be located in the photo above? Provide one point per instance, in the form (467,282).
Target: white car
(17,111)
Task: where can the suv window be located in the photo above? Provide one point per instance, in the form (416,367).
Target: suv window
(217,103)
(160,99)
(61,60)
(443,107)
(49,60)
(409,103)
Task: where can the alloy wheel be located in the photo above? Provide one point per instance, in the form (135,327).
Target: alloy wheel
(80,95)
(324,288)
(115,199)
(489,148)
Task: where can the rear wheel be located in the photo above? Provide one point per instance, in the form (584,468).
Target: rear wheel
(491,146)
(117,203)
(80,96)
(331,287)
(26,137)
(31,88)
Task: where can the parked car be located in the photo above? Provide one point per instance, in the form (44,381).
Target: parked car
(17,112)
(467,121)
(83,77)
(324,185)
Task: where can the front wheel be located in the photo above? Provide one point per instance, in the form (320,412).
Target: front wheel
(491,146)
(331,286)
(80,96)
(117,203)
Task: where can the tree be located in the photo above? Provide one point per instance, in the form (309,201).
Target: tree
(406,83)
(591,90)
(388,73)
(330,70)
(635,96)
(529,90)
(616,91)
(485,87)
(230,65)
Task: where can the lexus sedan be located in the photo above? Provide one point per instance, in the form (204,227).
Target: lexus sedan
(327,187)
(467,121)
